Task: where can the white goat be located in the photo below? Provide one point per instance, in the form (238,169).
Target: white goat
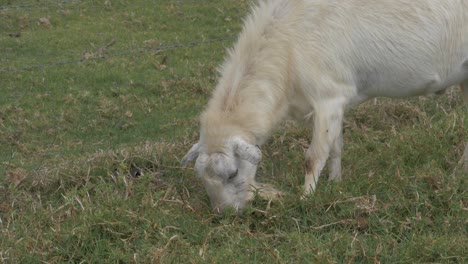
(315,58)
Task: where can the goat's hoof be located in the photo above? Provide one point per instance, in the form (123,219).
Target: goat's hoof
(307,192)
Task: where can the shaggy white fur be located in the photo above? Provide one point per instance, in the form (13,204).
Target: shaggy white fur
(312,59)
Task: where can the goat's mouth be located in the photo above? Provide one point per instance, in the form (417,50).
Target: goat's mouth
(234,205)
(236,208)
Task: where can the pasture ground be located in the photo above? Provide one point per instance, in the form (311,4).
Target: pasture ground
(90,150)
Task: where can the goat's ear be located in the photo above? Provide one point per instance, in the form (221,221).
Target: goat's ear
(191,155)
(248,152)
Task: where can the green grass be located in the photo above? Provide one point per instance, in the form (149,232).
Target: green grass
(89,167)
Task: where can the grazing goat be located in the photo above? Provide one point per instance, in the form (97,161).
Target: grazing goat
(313,59)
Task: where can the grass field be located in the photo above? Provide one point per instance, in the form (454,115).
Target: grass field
(100,101)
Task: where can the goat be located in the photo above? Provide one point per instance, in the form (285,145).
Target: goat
(313,59)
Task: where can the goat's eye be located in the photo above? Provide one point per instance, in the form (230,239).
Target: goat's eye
(233,175)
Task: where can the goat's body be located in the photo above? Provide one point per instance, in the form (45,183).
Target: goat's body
(293,54)
(396,48)
(318,57)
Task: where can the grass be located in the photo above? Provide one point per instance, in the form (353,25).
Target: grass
(89,167)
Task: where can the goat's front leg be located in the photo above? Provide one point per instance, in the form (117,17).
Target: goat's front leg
(328,118)
(335,158)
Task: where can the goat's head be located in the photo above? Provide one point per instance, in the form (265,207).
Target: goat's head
(227,175)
